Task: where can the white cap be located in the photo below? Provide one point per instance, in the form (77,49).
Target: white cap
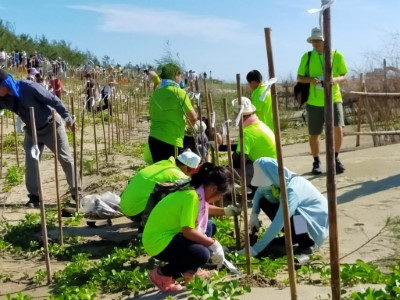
(259,177)
(189,159)
(248,107)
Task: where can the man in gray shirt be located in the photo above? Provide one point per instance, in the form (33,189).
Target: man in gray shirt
(18,96)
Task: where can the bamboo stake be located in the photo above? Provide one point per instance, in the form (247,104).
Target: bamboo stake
(1,143)
(42,210)
(213,129)
(330,160)
(282,181)
(60,225)
(15,140)
(359,114)
(104,131)
(82,132)
(233,192)
(75,156)
(393,132)
(95,141)
(243,180)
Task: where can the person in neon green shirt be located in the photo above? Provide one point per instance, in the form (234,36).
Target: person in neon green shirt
(315,102)
(260,98)
(134,197)
(152,77)
(170,108)
(175,232)
(258,138)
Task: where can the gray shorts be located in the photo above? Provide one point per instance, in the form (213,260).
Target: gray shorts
(316,117)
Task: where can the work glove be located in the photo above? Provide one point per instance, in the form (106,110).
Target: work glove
(217,254)
(255,223)
(253,252)
(232,210)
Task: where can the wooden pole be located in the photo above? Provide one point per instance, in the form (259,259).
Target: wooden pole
(279,158)
(75,156)
(330,160)
(213,129)
(15,140)
(60,225)
(243,181)
(207,105)
(39,183)
(95,142)
(82,132)
(104,131)
(359,113)
(233,192)
(1,144)
(393,132)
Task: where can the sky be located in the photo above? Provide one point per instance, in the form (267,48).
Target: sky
(225,37)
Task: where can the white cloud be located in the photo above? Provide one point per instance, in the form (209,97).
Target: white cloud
(133,19)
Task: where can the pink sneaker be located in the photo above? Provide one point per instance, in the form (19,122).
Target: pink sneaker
(204,274)
(164,283)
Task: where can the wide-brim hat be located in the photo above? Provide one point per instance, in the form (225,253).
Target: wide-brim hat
(248,107)
(190,159)
(316,35)
(260,179)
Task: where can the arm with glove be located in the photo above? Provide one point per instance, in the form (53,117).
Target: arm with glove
(229,210)
(217,252)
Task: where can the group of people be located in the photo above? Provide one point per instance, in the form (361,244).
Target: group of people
(178,230)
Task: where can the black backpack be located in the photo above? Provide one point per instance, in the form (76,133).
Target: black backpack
(301,90)
(160,191)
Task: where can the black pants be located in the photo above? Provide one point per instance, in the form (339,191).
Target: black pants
(162,151)
(270,209)
(184,255)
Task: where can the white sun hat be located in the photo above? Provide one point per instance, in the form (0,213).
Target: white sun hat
(189,159)
(316,35)
(259,177)
(248,107)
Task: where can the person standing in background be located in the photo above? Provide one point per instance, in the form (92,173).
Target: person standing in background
(313,64)
(261,98)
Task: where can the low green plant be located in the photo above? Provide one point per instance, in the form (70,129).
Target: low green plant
(5,277)
(361,272)
(75,220)
(225,233)
(14,177)
(18,296)
(89,166)
(39,277)
(215,288)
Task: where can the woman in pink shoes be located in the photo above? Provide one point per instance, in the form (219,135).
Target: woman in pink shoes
(176,231)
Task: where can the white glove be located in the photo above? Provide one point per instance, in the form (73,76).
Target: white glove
(232,211)
(253,252)
(254,223)
(217,254)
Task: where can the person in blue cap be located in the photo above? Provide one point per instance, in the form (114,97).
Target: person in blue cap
(308,208)
(18,96)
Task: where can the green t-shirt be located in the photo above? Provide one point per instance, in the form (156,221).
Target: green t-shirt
(259,141)
(316,95)
(264,108)
(169,216)
(168,106)
(134,197)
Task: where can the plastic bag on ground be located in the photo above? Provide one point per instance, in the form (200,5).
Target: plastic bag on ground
(99,207)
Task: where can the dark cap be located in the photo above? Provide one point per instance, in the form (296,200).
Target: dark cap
(3,75)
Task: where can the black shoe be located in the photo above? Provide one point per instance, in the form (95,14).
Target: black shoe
(33,201)
(316,170)
(339,167)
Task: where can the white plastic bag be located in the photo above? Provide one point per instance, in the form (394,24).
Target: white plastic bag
(98,207)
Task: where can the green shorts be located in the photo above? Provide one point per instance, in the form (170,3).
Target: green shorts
(316,117)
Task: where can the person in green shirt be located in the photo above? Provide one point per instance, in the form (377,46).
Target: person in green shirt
(261,98)
(134,197)
(170,109)
(175,232)
(316,102)
(258,138)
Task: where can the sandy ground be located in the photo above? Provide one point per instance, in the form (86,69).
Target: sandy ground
(367,194)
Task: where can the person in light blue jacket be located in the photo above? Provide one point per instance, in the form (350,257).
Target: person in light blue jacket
(308,208)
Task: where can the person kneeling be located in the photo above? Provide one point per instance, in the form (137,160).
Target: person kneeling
(175,232)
